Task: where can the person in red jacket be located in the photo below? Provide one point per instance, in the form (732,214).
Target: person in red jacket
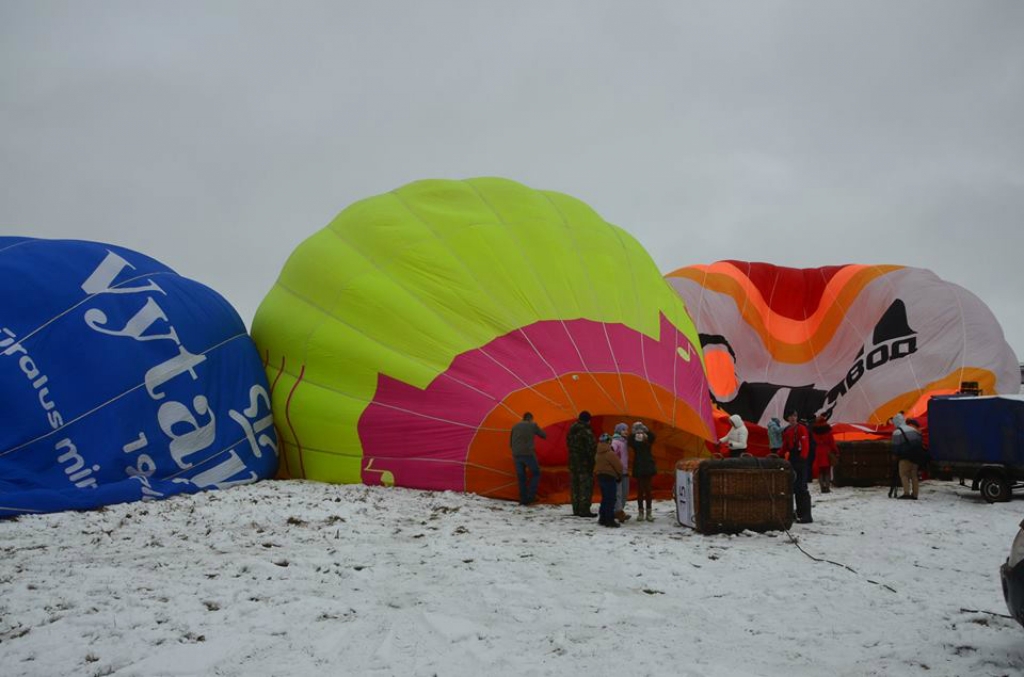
(795,445)
(826,452)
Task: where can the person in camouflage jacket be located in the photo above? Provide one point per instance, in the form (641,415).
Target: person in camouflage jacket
(582,448)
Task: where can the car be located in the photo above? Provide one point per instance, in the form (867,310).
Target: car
(1012,573)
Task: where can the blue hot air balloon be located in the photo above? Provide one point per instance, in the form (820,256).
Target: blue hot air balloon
(120,380)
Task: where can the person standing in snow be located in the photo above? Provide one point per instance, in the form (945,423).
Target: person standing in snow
(525,457)
(736,438)
(641,439)
(795,444)
(582,447)
(621,449)
(608,469)
(810,451)
(908,447)
(826,452)
(775,436)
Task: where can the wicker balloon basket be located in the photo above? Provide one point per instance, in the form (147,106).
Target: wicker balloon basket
(864,463)
(735,494)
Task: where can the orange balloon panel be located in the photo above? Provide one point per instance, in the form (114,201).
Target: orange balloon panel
(489,467)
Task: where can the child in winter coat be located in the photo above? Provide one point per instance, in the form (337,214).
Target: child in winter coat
(641,439)
(775,436)
(608,469)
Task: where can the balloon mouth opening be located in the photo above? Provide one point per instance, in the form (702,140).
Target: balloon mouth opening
(672,444)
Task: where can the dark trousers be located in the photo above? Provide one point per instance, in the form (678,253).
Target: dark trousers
(581,488)
(894,478)
(800,492)
(609,489)
(527,494)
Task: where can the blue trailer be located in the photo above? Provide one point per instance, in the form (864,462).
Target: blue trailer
(980,439)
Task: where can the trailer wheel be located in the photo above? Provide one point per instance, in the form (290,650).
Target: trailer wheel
(995,489)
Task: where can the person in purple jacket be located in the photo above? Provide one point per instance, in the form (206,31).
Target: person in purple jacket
(621,449)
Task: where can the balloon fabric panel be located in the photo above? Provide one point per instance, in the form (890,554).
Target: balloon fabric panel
(856,343)
(464,304)
(121,381)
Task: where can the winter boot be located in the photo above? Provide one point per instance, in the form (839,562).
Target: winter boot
(640,515)
(803,503)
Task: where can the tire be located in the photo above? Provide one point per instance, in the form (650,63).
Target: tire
(995,489)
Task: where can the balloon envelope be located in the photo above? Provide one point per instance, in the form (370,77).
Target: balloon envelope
(121,380)
(406,338)
(858,343)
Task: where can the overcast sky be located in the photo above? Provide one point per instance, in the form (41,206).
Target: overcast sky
(216,136)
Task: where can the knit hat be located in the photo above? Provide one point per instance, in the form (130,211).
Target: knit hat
(585,416)
(638,425)
(605,437)
(621,428)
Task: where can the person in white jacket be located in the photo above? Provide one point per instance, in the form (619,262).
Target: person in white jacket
(736,438)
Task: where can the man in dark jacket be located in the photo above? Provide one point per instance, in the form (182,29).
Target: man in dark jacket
(525,456)
(582,448)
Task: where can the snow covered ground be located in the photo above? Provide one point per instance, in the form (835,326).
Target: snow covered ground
(300,578)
